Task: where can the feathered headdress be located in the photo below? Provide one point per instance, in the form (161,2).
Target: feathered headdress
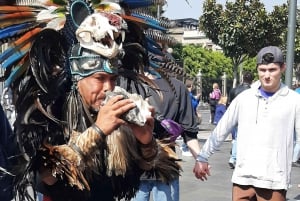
(48,45)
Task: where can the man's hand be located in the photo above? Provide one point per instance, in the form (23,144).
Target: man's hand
(144,134)
(108,118)
(201,170)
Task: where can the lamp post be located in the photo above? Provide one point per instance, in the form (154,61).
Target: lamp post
(199,83)
(291,42)
(224,84)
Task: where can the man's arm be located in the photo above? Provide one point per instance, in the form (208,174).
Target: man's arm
(217,137)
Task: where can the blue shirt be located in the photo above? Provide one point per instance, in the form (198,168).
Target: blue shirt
(297,90)
(195,101)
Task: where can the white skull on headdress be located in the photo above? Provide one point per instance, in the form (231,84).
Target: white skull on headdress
(102,33)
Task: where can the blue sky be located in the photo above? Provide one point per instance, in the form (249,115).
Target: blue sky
(177,9)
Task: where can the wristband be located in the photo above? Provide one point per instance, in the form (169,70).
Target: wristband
(201,159)
(99,131)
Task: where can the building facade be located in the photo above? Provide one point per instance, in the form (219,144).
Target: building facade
(186,31)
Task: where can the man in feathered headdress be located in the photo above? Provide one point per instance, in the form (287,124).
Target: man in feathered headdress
(115,144)
(94,81)
(81,136)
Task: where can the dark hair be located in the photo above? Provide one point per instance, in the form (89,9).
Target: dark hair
(188,85)
(247,77)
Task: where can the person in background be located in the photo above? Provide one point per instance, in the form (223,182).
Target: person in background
(246,84)
(220,109)
(214,97)
(174,105)
(268,120)
(195,102)
(297,89)
(195,99)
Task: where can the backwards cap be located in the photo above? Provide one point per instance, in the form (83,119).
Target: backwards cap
(270,54)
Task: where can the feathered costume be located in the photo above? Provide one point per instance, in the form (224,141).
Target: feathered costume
(49,46)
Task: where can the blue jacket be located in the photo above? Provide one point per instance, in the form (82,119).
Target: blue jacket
(195,101)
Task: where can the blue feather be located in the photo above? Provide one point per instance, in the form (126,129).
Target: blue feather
(154,50)
(14,30)
(154,65)
(156,59)
(13,58)
(153,72)
(152,23)
(17,71)
(152,42)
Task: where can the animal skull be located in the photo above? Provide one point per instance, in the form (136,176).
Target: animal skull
(102,33)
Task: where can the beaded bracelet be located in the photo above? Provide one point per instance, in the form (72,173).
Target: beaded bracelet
(99,131)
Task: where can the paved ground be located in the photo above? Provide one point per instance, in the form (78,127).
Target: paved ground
(218,185)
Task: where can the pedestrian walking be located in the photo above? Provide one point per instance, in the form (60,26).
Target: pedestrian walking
(268,120)
(214,98)
(220,109)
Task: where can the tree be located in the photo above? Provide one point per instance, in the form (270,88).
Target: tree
(211,64)
(177,52)
(242,28)
(250,65)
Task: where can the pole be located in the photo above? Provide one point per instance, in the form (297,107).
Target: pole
(290,42)
(199,83)
(224,84)
(158,11)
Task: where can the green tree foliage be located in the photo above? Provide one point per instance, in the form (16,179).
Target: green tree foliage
(177,52)
(296,67)
(250,65)
(211,64)
(242,28)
